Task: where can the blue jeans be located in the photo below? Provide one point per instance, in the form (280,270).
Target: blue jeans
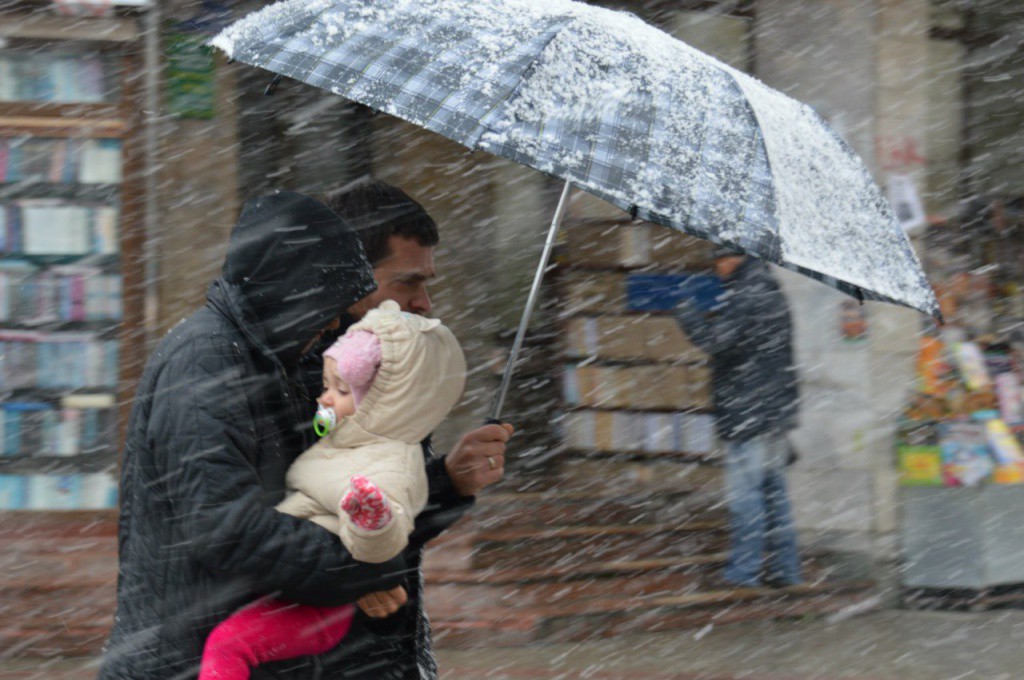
(760,520)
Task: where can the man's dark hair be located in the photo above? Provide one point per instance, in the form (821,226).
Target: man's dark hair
(378,210)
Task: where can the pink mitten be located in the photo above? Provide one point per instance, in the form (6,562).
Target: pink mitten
(366,504)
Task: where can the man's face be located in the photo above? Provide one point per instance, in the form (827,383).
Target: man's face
(402,276)
(725,266)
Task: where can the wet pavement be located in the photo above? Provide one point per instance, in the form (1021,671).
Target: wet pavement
(883,645)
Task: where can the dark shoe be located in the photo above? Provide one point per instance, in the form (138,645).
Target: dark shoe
(779,583)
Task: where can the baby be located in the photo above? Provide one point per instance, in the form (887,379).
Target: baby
(388,382)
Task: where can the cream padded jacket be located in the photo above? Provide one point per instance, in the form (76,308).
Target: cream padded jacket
(421,377)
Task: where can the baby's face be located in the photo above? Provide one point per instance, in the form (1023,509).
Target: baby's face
(336,394)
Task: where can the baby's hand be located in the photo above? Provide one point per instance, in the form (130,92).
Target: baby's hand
(366,504)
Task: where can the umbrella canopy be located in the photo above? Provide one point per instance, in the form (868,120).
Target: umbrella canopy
(617,108)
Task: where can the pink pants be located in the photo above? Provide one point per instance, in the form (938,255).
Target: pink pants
(270,630)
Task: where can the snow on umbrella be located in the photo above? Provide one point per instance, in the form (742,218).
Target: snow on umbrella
(615,107)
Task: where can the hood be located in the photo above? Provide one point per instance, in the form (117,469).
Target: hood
(296,265)
(421,377)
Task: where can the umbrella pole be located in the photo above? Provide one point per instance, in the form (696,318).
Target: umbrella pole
(531,301)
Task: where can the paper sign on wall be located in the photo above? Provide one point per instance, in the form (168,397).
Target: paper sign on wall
(190,76)
(906,202)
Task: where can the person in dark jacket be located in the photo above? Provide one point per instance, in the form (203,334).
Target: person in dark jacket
(749,338)
(217,419)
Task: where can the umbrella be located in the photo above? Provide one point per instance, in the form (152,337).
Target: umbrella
(612,106)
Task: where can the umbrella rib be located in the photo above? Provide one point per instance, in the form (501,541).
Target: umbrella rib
(297,28)
(484,124)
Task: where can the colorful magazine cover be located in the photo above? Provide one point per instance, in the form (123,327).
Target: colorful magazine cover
(971,363)
(965,454)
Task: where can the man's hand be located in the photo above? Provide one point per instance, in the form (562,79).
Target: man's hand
(383,604)
(478,460)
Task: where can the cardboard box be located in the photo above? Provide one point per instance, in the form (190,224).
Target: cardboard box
(652,387)
(631,431)
(603,386)
(595,233)
(608,245)
(586,206)
(663,340)
(920,465)
(604,434)
(577,333)
(668,387)
(650,390)
(673,249)
(660,432)
(618,338)
(699,434)
(579,385)
(699,382)
(601,292)
(593,338)
(578,430)
(629,338)
(600,431)
(627,431)
(626,383)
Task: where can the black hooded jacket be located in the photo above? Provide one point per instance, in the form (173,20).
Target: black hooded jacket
(216,422)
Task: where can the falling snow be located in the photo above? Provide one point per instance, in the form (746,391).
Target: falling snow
(872,150)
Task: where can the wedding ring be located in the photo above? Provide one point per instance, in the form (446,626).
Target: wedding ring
(490,461)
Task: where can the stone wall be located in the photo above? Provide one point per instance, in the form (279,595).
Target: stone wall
(995,99)
(197,194)
(861,65)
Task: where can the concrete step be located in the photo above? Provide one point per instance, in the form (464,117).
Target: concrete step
(666,576)
(579,545)
(455,596)
(587,572)
(584,619)
(567,508)
(610,476)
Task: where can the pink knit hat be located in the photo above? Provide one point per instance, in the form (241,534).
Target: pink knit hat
(358,357)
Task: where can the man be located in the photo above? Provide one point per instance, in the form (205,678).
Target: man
(399,239)
(215,424)
(749,338)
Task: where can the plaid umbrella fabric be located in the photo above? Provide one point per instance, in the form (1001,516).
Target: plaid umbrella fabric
(616,107)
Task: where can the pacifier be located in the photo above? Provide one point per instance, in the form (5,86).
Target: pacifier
(324,421)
